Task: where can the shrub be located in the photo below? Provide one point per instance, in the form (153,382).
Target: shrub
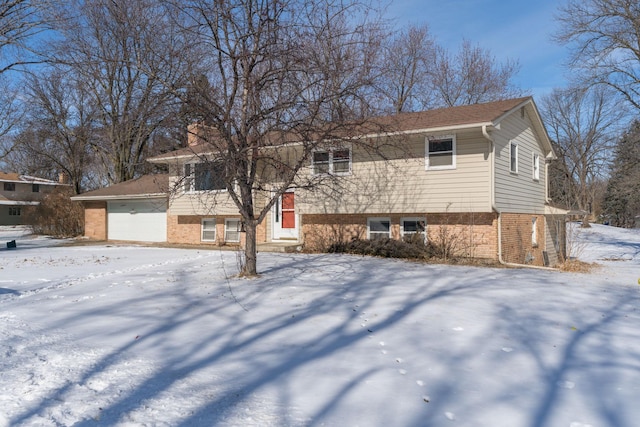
(57,215)
(387,248)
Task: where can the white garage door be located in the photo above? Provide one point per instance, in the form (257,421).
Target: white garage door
(139,220)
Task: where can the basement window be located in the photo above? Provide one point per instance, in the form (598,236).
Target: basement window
(378,228)
(208,230)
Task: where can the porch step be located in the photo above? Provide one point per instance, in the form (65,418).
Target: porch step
(282,247)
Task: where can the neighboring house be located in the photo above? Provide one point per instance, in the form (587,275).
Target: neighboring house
(17,192)
(134,210)
(476,175)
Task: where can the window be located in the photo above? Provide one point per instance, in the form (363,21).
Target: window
(378,228)
(9,186)
(536,167)
(204,176)
(534,231)
(410,228)
(336,161)
(513,156)
(14,211)
(208,230)
(35,188)
(440,152)
(231,230)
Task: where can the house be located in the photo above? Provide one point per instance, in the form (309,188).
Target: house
(471,176)
(18,192)
(134,210)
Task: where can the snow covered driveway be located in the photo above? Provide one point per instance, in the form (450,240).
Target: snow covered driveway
(139,336)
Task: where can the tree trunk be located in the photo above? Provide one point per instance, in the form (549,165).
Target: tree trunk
(250,268)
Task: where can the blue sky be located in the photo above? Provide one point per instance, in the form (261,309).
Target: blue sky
(515,29)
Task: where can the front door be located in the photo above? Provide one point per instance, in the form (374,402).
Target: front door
(285,220)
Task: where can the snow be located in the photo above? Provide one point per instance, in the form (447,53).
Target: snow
(125,335)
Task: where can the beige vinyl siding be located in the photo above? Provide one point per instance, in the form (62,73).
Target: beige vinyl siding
(199,203)
(403,185)
(518,193)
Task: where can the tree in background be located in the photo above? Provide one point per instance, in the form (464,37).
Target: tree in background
(583,123)
(418,74)
(604,36)
(282,78)
(131,59)
(406,66)
(621,205)
(20,22)
(471,76)
(57,131)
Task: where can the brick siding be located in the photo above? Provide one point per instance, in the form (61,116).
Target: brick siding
(95,220)
(517,245)
(475,234)
(187,229)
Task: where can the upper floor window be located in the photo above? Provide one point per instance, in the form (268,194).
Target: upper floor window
(9,186)
(536,166)
(35,188)
(334,161)
(204,176)
(513,157)
(440,152)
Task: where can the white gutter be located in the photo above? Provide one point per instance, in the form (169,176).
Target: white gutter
(492,166)
(440,129)
(121,197)
(18,203)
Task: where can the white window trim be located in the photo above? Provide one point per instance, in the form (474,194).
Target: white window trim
(202,230)
(535,162)
(413,218)
(370,219)
(513,144)
(330,150)
(534,231)
(453,152)
(226,228)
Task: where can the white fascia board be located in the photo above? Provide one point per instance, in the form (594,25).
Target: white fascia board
(81,198)
(18,203)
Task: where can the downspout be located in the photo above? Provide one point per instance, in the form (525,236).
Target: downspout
(492,167)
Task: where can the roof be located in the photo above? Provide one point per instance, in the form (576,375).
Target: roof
(489,114)
(15,177)
(145,187)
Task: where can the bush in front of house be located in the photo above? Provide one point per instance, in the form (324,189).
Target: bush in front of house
(386,248)
(57,215)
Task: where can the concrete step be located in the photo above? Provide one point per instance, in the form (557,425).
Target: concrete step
(281,247)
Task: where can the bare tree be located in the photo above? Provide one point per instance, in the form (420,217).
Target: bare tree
(604,36)
(131,60)
(20,22)
(472,76)
(406,65)
(584,124)
(283,77)
(57,130)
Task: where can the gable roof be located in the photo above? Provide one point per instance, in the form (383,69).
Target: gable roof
(487,115)
(145,187)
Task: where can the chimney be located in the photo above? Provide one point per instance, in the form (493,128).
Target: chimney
(194,132)
(63,178)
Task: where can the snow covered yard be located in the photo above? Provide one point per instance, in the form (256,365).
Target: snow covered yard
(140,336)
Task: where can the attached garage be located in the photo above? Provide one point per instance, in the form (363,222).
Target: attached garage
(134,210)
(137,220)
